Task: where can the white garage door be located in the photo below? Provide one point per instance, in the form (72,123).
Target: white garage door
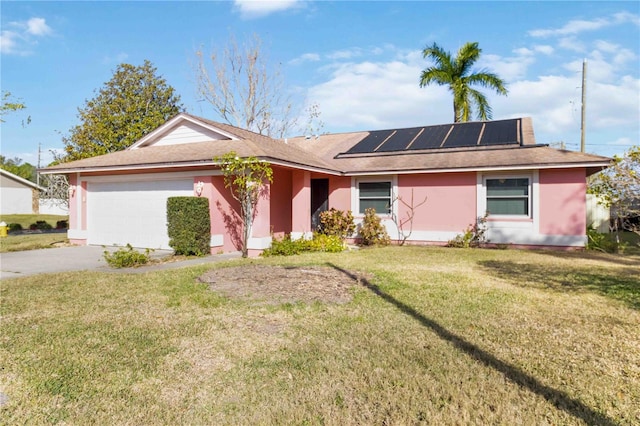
(135,213)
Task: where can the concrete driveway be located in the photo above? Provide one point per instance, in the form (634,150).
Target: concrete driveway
(83,258)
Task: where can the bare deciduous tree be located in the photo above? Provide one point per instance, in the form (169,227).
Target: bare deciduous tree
(244,89)
(619,189)
(56,190)
(402,223)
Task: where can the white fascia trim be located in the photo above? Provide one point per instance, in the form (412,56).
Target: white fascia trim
(479,169)
(217,240)
(129,168)
(142,177)
(77,234)
(172,123)
(260,243)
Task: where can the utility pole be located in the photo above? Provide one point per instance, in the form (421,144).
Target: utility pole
(38,169)
(584,106)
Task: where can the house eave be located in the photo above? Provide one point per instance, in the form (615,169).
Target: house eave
(124,168)
(181,165)
(21,180)
(591,166)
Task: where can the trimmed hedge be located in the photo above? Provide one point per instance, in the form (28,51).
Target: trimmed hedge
(188,225)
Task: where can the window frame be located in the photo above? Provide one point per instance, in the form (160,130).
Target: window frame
(529,196)
(356,196)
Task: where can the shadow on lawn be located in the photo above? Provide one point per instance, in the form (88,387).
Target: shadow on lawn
(620,284)
(559,399)
(617,259)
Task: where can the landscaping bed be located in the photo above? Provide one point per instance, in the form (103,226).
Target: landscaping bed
(278,284)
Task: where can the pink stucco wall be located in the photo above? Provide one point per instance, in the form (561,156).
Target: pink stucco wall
(340,193)
(563,201)
(81,193)
(281,204)
(75,200)
(262,222)
(450,205)
(225,215)
(73,203)
(301,201)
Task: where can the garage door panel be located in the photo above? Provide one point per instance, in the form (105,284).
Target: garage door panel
(132,212)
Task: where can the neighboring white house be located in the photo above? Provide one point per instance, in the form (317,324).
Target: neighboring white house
(18,195)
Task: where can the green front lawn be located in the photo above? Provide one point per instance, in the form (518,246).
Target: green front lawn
(31,241)
(431,336)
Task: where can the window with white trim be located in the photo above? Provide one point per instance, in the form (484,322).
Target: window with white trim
(508,196)
(375,195)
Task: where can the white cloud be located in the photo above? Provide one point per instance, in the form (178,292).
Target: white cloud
(23,36)
(9,41)
(508,68)
(544,49)
(620,55)
(345,53)
(572,28)
(523,51)
(622,141)
(307,57)
(38,27)
(605,46)
(259,8)
(379,95)
(624,17)
(571,43)
(609,105)
(118,58)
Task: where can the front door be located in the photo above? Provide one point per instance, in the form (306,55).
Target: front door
(319,200)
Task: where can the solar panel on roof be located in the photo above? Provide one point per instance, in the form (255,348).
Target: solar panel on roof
(500,132)
(400,140)
(431,137)
(466,134)
(458,135)
(370,142)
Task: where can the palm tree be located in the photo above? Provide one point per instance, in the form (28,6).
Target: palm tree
(458,75)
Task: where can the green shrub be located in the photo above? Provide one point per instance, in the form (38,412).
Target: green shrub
(40,224)
(126,257)
(62,224)
(372,231)
(14,227)
(473,236)
(338,223)
(326,243)
(602,242)
(188,225)
(285,247)
(319,243)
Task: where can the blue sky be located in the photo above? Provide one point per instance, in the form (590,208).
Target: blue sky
(359,61)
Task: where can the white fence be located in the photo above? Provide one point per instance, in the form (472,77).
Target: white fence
(53,207)
(597,215)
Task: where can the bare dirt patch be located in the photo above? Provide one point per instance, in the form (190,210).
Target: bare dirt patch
(278,284)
